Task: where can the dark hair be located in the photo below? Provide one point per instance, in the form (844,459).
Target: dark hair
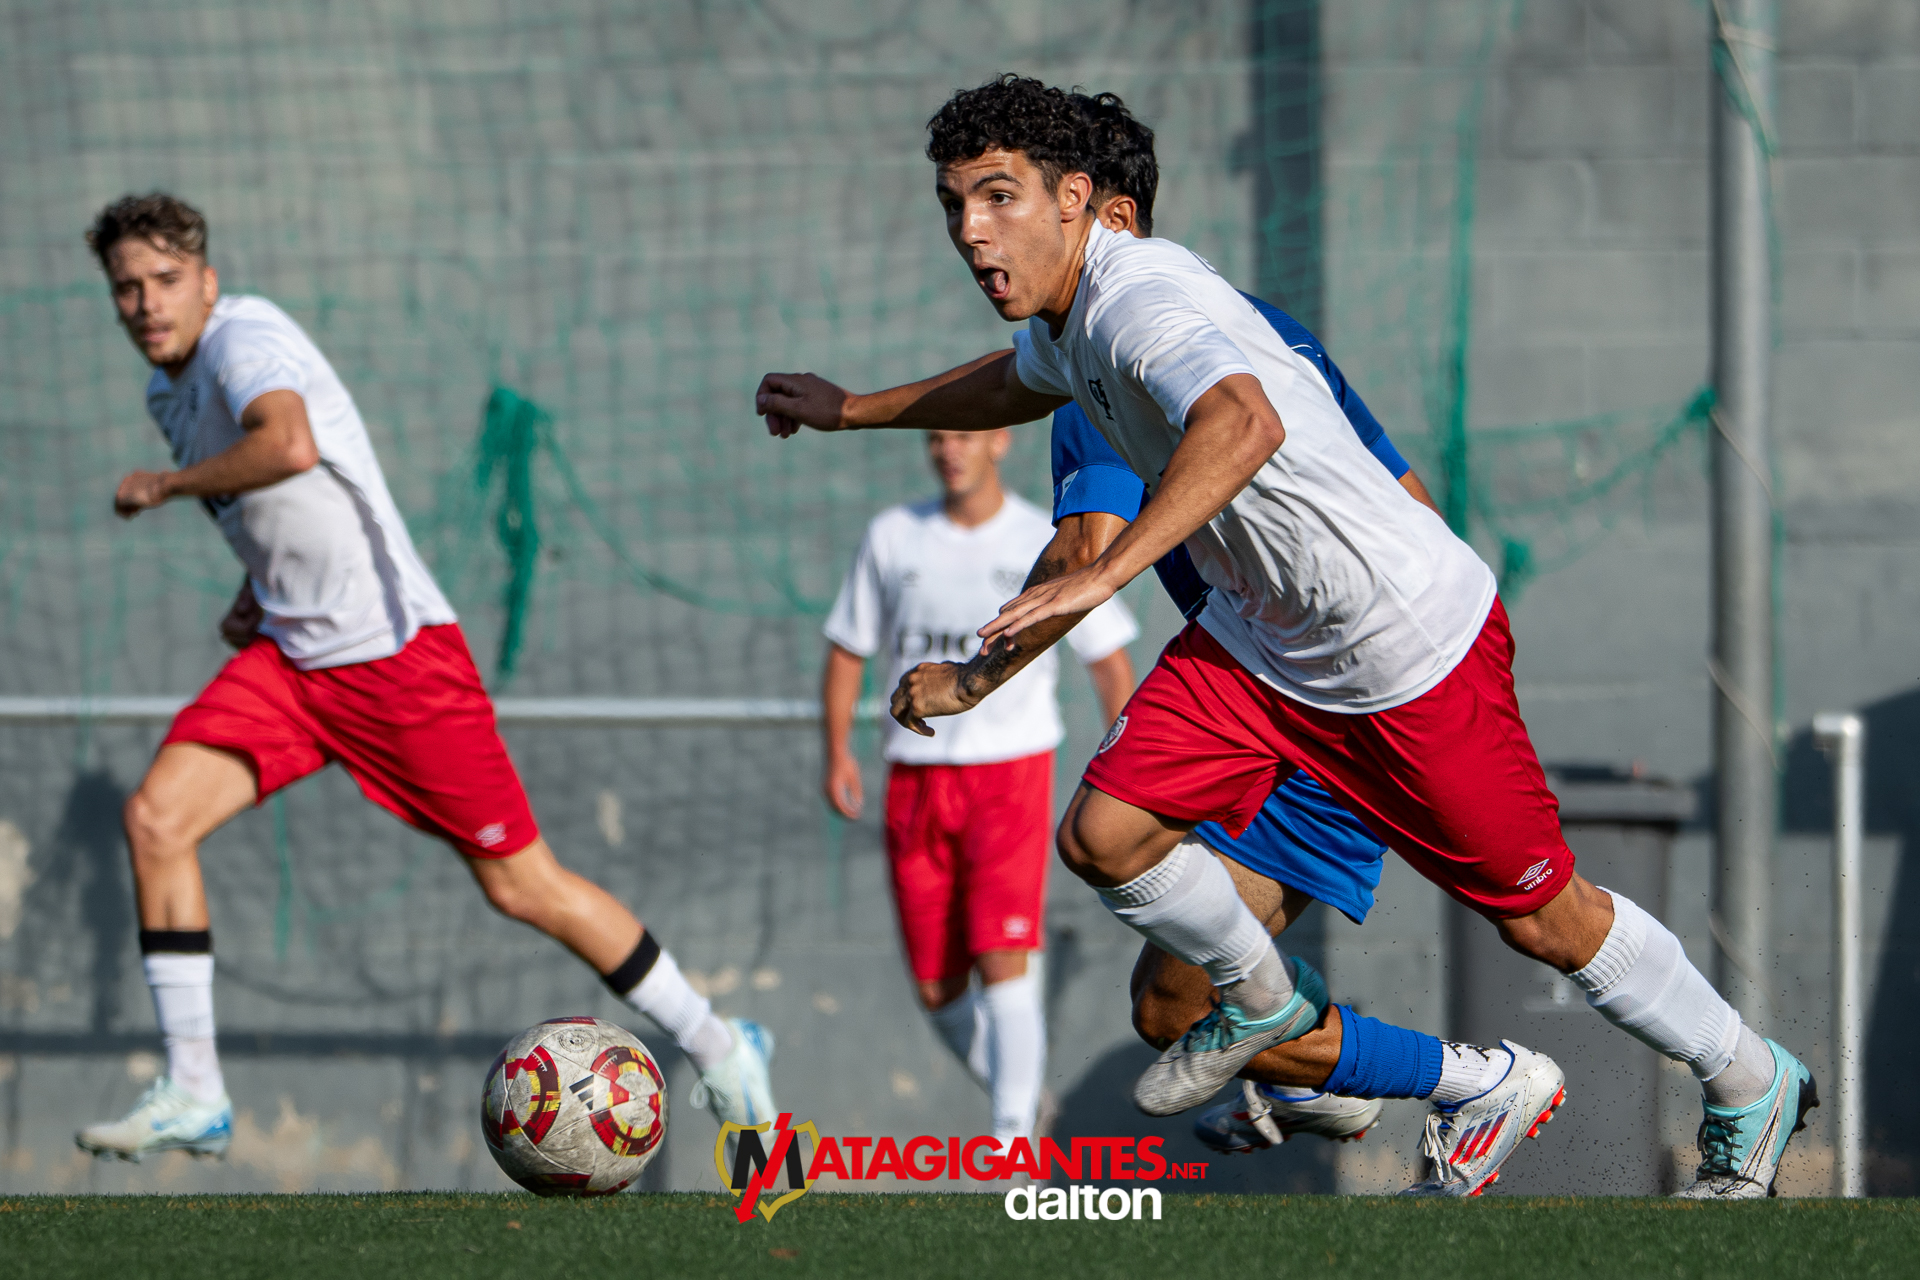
(1016,114)
(170,223)
(1121,152)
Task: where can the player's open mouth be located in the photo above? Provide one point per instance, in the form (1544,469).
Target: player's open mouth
(993,282)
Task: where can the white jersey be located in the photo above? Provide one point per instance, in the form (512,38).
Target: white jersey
(328,554)
(1334,584)
(921,586)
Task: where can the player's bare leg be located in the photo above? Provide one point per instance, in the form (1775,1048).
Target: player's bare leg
(998,1031)
(1174,891)
(189,792)
(733,1055)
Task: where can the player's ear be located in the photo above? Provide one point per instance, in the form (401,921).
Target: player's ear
(209,283)
(1000,445)
(1120,214)
(1076,196)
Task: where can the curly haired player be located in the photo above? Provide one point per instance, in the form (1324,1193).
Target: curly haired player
(348,653)
(1349,633)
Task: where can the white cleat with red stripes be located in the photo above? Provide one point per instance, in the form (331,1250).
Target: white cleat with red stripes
(1466,1143)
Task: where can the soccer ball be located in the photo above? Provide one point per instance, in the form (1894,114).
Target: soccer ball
(574,1107)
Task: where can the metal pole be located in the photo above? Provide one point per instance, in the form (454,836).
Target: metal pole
(1742,661)
(1843,737)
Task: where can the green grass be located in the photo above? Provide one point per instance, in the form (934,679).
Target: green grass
(427,1236)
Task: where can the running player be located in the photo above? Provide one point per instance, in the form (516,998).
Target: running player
(967,814)
(1302,845)
(1349,633)
(347,652)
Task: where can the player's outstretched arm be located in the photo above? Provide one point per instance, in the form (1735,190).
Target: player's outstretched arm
(1231,432)
(949,688)
(977,396)
(276,443)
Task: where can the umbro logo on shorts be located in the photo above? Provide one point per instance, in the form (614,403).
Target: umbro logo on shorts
(491,836)
(1113,735)
(1538,873)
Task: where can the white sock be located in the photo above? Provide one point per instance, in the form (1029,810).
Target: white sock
(1747,1078)
(962,1025)
(1467,1071)
(1016,1053)
(682,1013)
(1187,906)
(182,988)
(1642,982)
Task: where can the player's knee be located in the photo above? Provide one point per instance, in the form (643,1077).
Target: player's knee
(1081,853)
(1538,937)
(156,831)
(514,900)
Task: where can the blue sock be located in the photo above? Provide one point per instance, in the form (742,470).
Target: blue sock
(1378,1060)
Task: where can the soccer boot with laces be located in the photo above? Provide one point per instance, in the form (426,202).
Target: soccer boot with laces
(739,1088)
(1740,1147)
(1260,1119)
(166,1118)
(1465,1143)
(1212,1052)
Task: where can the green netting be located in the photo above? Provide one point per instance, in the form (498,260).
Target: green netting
(552,251)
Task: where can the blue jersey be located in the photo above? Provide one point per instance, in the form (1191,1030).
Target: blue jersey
(1302,836)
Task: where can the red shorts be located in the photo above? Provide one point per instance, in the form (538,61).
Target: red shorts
(414,730)
(1449,780)
(967,845)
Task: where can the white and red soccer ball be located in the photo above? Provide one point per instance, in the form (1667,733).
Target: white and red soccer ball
(574,1107)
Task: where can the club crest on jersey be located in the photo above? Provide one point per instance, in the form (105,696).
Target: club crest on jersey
(1113,736)
(1537,874)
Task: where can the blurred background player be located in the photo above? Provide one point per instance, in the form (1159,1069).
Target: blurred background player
(347,652)
(1349,631)
(968,815)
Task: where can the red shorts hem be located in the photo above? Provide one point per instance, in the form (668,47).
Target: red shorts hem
(414,730)
(1449,778)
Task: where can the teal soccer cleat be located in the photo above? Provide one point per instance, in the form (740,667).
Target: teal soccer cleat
(1195,1066)
(1740,1148)
(166,1118)
(739,1088)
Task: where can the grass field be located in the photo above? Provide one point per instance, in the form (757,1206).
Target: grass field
(428,1236)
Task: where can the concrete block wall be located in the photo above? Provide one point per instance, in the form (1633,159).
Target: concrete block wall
(1590,275)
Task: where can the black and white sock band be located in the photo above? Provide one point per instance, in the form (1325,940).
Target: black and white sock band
(186,942)
(635,968)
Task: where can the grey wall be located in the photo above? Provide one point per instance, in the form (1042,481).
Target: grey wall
(1589,277)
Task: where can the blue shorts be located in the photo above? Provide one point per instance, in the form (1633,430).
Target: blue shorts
(1305,839)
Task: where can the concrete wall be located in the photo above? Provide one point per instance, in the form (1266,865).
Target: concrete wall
(1590,269)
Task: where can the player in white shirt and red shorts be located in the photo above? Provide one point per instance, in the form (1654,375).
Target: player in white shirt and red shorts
(348,654)
(968,814)
(1349,634)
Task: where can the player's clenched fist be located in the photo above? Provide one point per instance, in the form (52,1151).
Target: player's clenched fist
(930,689)
(789,401)
(140,491)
